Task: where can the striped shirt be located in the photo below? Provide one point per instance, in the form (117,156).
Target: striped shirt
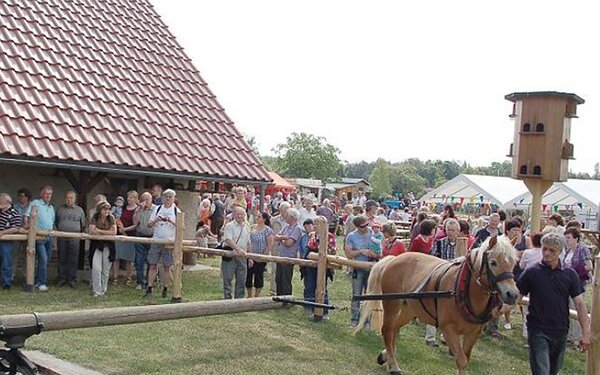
(258,240)
(9,219)
(444,249)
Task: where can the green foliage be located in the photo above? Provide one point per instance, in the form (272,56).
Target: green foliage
(380,179)
(307,156)
(406,179)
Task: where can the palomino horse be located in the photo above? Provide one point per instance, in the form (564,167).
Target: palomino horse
(480,281)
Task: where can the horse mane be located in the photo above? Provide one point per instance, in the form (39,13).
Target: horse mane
(502,249)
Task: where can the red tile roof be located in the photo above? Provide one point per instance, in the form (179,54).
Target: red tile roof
(105,82)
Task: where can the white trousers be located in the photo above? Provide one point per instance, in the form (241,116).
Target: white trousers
(100,271)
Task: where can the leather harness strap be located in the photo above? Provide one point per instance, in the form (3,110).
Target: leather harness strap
(426,280)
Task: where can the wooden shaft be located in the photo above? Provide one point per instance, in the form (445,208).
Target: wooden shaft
(256,257)
(338,260)
(54,321)
(85,236)
(321,224)
(30,260)
(178,255)
(593,354)
(461,246)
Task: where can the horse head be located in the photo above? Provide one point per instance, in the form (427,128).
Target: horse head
(498,257)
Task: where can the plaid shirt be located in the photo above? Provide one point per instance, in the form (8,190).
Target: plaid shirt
(444,249)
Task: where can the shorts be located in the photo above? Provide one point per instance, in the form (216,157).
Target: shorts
(160,253)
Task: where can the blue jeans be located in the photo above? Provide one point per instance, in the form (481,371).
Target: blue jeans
(546,352)
(310,287)
(6,249)
(141,258)
(359,287)
(43,250)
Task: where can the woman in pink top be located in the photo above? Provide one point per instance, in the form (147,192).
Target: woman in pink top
(534,255)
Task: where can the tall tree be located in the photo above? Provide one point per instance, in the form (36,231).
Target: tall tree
(380,179)
(307,156)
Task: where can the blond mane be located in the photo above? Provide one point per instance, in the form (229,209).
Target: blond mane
(503,249)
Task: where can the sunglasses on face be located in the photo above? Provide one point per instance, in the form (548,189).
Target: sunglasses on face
(363,226)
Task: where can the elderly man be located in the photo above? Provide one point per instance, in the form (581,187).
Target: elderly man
(490,230)
(326,211)
(237,237)
(289,247)
(140,220)
(69,218)
(444,248)
(277,224)
(10,221)
(549,287)
(46,217)
(163,220)
(357,247)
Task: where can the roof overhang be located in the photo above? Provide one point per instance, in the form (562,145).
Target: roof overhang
(111,168)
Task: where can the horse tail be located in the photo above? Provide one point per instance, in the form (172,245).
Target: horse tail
(373,309)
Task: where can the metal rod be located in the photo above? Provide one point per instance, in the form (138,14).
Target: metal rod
(391,296)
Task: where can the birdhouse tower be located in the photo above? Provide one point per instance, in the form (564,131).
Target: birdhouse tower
(541,148)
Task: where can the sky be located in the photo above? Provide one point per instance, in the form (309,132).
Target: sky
(393,79)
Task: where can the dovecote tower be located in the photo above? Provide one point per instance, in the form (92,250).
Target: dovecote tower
(541,148)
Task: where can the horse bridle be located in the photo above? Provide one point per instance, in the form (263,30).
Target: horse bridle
(492,279)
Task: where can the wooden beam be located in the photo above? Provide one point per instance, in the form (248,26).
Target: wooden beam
(30,257)
(74,181)
(95,180)
(178,257)
(322,231)
(340,261)
(593,354)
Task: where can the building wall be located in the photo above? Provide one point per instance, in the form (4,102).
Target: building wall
(13,177)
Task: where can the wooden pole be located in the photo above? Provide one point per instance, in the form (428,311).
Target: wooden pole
(461,246)
(55,321)
(30,262)
(340,261)
(537,188)
(178,257)
(593,355)
(256,257)
(322,232)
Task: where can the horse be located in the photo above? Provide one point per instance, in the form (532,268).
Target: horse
(478,283)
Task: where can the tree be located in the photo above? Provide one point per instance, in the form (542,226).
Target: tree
(380,179)
(307,156)
(404,179)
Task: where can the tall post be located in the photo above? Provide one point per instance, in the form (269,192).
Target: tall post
(537,189)
(322,232)
(593,355)
(30,262)
(461,246)
(261,198)
(178,257)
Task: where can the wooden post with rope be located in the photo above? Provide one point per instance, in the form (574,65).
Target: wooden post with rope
(322,227)
(30,258)
(593,354)
(178,257)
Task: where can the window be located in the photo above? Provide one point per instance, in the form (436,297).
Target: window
(539,127)
(537,170)
(523,169)
(526,127)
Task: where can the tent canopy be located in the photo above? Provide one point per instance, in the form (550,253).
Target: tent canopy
(584,194)
(476,189)
(279,183)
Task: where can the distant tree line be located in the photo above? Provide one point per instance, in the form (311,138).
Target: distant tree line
(308,156)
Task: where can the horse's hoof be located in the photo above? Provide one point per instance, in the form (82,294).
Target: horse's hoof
(380,359)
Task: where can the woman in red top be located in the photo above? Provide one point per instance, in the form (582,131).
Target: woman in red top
(424,241)
(390,244)
(465,231)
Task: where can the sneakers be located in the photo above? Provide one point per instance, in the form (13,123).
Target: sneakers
(508,326)
(432,343)
(43,288)
(139,287)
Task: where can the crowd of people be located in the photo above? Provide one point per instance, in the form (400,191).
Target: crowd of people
(285,226)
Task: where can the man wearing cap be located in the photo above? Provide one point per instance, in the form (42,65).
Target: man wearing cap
(163,220)
(549,287)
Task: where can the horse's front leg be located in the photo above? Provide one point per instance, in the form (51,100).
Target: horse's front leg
(453,341)
(393,319)
(469,341)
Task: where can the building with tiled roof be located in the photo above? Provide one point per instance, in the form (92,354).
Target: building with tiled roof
(99,91)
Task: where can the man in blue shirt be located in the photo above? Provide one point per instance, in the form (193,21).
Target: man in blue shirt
(357,247)
(46,216)
(549,287)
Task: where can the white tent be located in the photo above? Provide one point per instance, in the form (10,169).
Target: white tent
(580,196)
(476,189)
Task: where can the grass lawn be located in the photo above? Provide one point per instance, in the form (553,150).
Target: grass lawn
(268,342)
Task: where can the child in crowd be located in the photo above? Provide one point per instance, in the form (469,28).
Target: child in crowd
(117,209)
(203,236)
(376,239)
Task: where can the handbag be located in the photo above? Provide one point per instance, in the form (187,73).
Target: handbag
(223,246)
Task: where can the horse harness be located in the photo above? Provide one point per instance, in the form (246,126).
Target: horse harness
(461,288)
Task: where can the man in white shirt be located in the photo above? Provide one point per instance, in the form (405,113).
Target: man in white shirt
(163,219)
(237,237)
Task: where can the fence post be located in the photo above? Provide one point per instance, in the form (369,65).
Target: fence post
(178,257)
(322,231)
(593,355)
(30,262)
(461,246)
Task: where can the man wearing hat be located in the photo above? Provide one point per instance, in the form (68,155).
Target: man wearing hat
(163,220)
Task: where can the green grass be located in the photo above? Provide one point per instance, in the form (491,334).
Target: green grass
(268,342)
